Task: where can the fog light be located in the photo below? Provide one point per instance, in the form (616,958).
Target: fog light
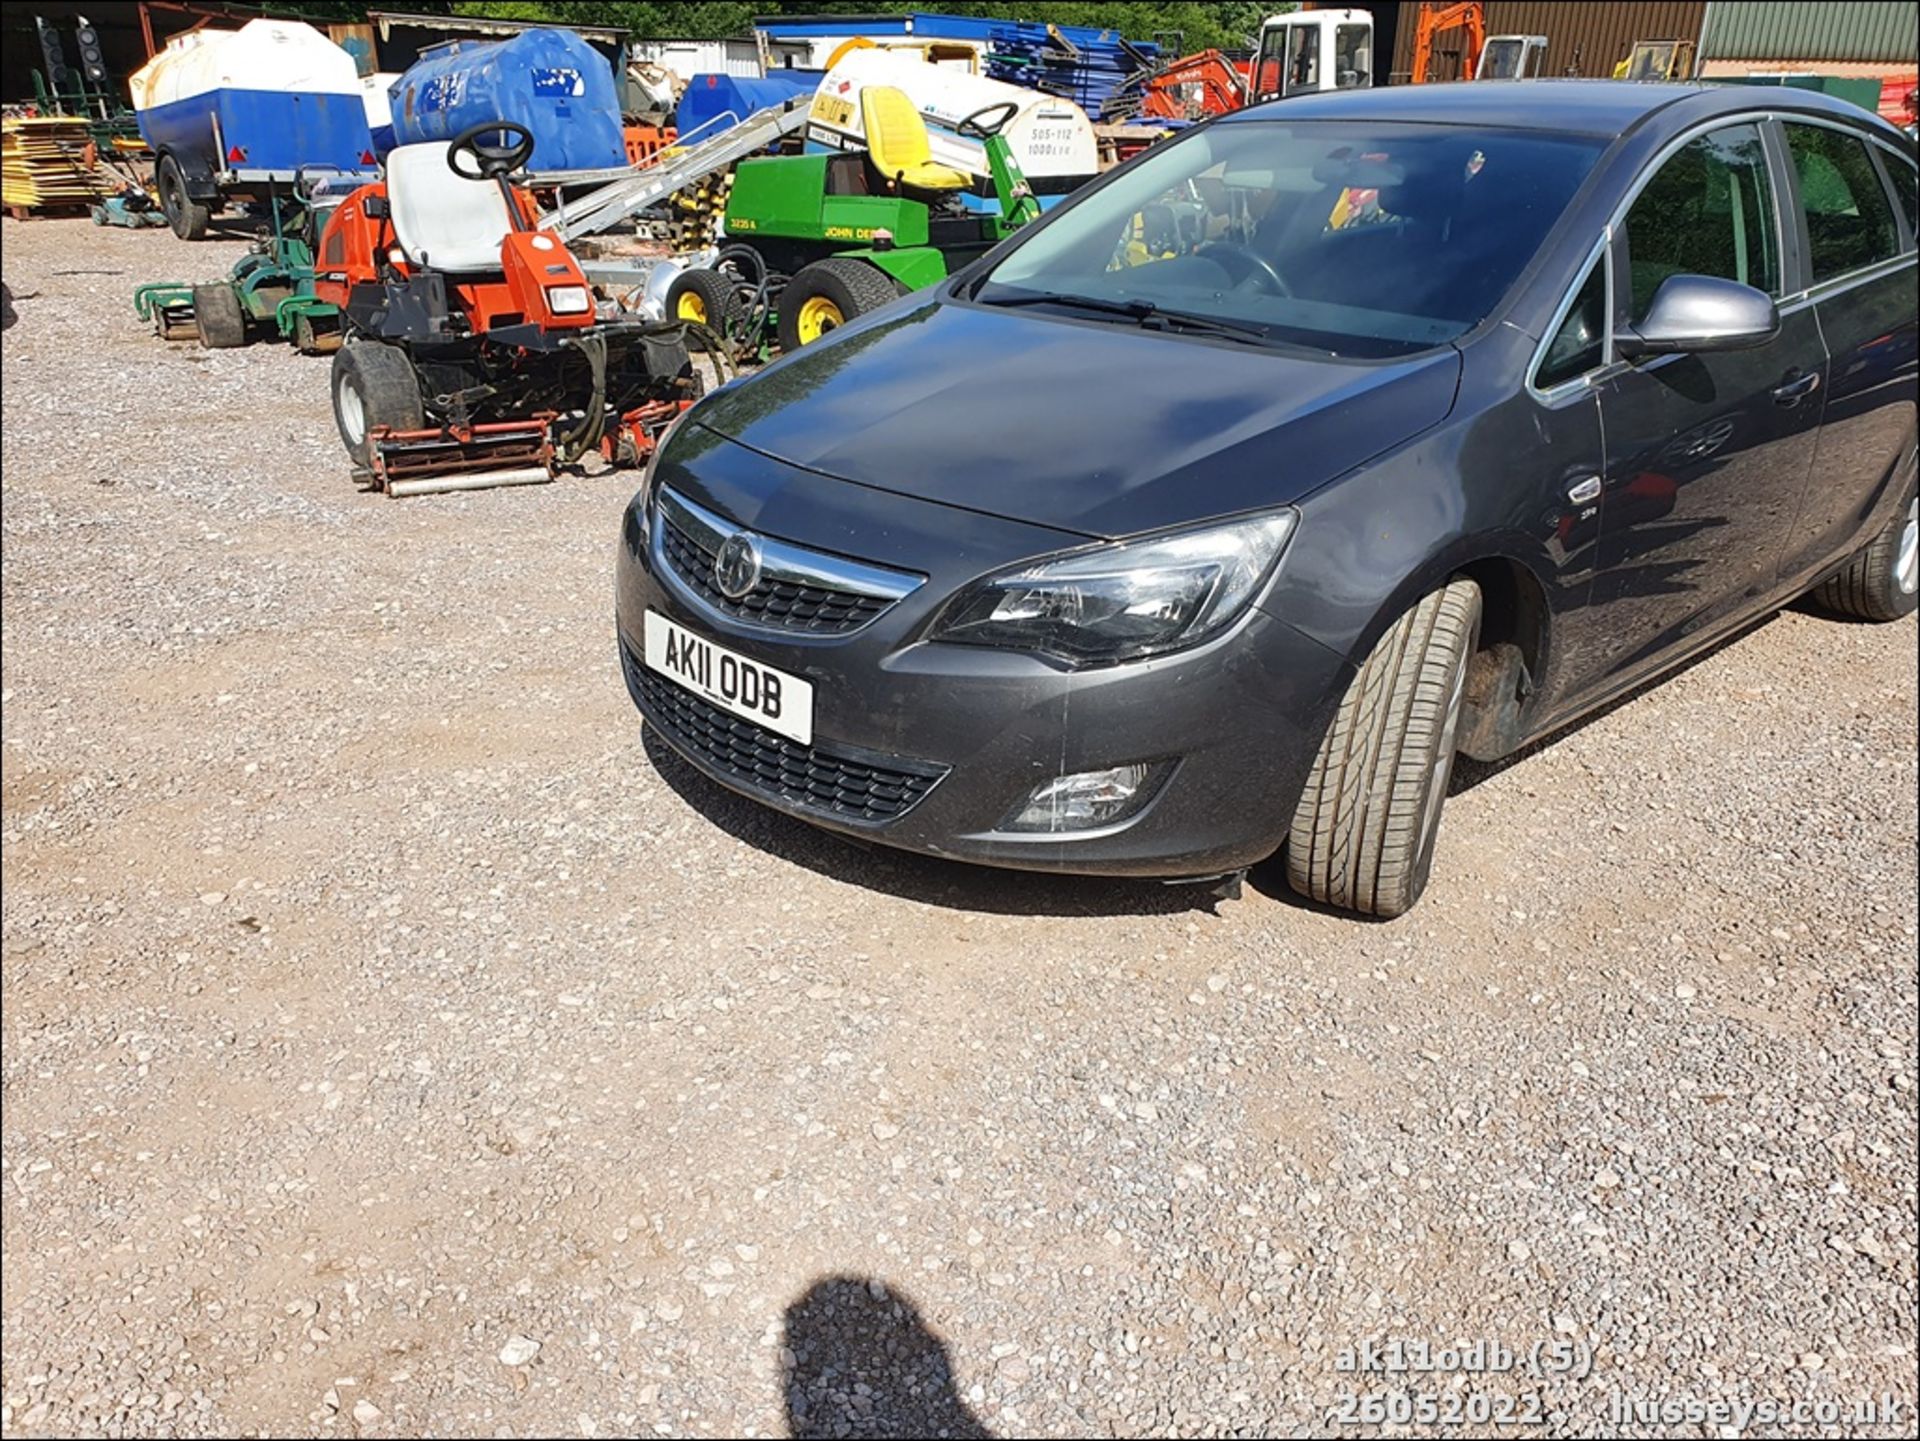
(1087,799)
(568,299)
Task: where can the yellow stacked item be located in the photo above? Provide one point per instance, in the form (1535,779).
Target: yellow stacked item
(43,162)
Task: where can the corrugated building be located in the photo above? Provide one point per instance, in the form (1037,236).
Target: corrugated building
(1761,33)
(1584,37)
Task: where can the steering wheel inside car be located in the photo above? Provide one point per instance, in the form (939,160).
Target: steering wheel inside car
(509,151)
(1244,265)
(978,127)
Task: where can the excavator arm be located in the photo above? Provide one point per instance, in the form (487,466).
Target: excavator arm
(1435,20)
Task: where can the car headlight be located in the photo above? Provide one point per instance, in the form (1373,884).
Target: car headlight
(1122,601)
(568,299)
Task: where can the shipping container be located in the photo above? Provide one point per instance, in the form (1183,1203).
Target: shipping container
(1768,32)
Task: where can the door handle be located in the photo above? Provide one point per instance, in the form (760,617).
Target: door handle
(1792,392)
(1585,490)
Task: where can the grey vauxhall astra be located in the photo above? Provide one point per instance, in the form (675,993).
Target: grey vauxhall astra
(1212,515)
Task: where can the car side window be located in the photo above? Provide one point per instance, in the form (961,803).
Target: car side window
(1849,219)
(1709,210)
(1906,187)
(1580,344)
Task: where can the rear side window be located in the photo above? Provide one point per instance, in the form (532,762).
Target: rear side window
(1849,219)
(1708,210)
(1906,188)
(1579,345)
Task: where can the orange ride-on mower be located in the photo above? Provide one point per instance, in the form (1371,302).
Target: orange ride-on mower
(474,353)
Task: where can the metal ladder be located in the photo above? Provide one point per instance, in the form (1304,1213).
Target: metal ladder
(629,191)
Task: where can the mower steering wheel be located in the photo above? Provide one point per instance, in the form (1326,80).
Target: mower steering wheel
(510,152)
(1251,266)
(975,128)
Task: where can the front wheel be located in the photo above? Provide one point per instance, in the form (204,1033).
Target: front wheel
(1363,834)
(373,386)
(1882,581)
(706,298)
(827,295)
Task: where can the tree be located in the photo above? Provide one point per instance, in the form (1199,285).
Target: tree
(1182,25)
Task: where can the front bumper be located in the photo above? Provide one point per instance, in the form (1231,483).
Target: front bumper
(934,747)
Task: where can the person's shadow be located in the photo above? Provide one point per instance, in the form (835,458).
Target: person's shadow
(860,1362)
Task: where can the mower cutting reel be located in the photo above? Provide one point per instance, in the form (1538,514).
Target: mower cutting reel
(475,353)
(271,286)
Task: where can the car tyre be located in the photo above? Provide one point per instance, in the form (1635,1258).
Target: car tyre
(839,289)
(1880,582)
(217,313)
(1363,835)
(373,385)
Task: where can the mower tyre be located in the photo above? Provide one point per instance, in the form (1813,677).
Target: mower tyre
(216,310)
(373,385)
(705,297)
(188,217)
(828,294)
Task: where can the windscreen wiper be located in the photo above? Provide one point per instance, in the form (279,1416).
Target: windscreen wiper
(1188,323)
(1131,309)
(1148,315)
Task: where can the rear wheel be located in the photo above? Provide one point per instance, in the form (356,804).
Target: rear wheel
(216,310)
(188,217)
(827,295)
(1363,835)
(373,385)
(1882,581)
(708,298)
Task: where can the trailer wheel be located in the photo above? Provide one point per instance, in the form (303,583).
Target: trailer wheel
(216,310)
(373,385)
(187,216)
(705,297)
(827,294)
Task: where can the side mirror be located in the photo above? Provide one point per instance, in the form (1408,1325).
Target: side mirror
(1693,313)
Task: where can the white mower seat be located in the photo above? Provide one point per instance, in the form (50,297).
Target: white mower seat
(442,219)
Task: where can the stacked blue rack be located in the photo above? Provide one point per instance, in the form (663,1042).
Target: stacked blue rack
(1087,72)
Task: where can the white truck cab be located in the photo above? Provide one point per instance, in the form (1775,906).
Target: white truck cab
(1310,51)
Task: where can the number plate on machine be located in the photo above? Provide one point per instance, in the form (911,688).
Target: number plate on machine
(782,703)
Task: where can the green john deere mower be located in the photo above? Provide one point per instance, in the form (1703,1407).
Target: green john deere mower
(812,241)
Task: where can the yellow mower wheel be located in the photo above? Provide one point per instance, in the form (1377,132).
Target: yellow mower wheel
(705,298)
(828,294)
(817,316)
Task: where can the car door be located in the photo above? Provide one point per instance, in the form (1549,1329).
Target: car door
(1861,274)
(1706,455)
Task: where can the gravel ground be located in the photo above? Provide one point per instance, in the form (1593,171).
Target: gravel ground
(396,1040)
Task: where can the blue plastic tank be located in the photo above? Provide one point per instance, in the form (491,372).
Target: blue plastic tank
(710,96)
(549,80)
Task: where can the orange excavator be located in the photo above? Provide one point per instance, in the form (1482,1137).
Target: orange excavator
(1194,87)
(1435,21)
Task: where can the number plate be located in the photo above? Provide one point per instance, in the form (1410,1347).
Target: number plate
(782,703)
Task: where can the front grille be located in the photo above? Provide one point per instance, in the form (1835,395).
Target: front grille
(829,782)
(786,604)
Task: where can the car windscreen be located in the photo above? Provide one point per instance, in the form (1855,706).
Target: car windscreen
(1361,239)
